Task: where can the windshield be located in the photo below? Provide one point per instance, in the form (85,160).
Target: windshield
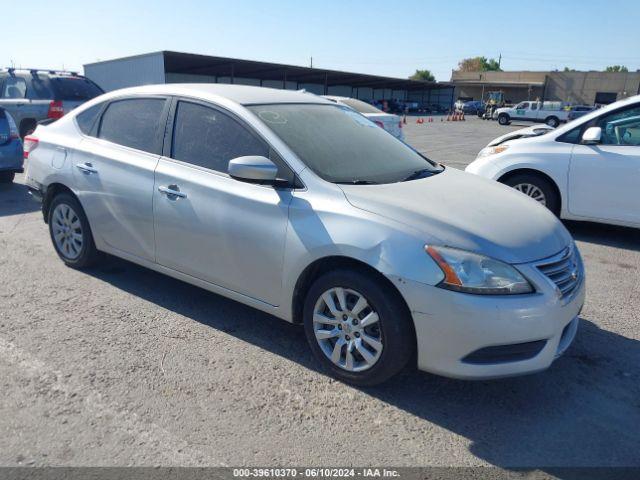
(342,146)
(74,88)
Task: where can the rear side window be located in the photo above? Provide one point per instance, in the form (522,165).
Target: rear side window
(134,123)
(87,119)
(14,87)
(39,88)
(74,89)
(206,137)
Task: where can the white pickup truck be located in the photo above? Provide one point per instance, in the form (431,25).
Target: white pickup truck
(551,113)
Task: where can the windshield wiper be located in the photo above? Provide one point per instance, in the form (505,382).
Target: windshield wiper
(358,182)
(423,173)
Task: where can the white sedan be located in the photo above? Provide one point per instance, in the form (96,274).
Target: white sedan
(587,170)
(387,121)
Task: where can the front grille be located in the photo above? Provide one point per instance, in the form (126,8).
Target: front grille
(563,271)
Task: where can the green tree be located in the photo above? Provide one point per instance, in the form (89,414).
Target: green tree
(616,68)
(567,69)
(479,64)
(424,75)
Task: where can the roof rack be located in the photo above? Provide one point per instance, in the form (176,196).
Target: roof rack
(35,71)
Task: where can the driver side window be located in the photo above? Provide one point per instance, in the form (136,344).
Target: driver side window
(621,128)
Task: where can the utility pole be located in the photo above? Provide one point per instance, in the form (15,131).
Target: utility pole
(311,62)
(499,60)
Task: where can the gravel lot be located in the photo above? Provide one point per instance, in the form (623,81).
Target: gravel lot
(122,366)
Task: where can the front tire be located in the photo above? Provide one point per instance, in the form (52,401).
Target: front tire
(504,119)
(70,232)
(358,329)
(537,188)
(7,177)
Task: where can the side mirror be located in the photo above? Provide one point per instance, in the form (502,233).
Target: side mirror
(253,168)
(592,136)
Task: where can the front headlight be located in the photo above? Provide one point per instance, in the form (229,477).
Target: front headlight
(485,152)
(472,273)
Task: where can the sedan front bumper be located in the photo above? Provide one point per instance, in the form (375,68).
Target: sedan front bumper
(477,337)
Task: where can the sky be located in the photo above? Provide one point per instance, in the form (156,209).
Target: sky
(392,37)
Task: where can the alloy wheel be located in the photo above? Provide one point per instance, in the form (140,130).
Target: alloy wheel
(347,329)
(532,191)
(67,231)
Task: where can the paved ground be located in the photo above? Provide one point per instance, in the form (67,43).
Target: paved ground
(122,366)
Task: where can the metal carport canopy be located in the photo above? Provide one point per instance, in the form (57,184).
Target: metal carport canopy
(189,63)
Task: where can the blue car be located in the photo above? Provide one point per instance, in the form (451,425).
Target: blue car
(11,156)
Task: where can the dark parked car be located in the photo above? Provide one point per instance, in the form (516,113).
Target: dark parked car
(10,148)
(31,96)
(577,111)
(474,107)
(435,108)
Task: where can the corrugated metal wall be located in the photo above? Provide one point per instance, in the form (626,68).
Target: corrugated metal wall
(127,72)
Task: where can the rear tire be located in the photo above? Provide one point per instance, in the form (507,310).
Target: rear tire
(27,127)
(504,119)
(393,331)
(552,122)
(70,232)
(532,185)
(7,177)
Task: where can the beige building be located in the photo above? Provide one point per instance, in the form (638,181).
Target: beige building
(571,87)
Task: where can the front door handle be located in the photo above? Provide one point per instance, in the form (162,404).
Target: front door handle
(86,168)
(172,192)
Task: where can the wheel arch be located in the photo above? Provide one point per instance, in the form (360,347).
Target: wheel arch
(323,265)
(54,189)
(538,173)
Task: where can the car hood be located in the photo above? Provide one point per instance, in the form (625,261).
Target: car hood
(465,211)
(527,132)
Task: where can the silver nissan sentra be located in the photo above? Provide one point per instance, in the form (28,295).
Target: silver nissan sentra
(305,209)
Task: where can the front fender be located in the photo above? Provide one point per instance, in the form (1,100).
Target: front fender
(320,229)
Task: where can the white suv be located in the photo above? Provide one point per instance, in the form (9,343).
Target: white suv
(588,169)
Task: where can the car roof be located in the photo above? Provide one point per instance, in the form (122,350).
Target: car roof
(241,94)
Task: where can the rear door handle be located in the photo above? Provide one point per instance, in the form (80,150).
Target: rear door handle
(86,168)
(172,192)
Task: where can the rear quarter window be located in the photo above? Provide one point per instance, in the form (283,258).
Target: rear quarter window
(39,88)
(87,119)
